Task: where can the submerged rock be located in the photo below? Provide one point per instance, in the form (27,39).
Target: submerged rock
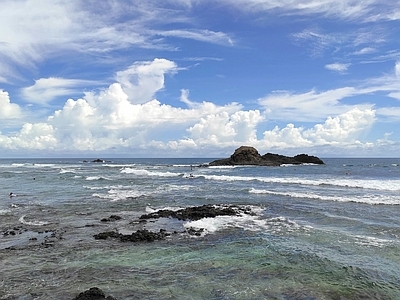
(246,155)
(93,293)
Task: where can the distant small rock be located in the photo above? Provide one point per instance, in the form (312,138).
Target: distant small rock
(246,155)
(98,160)
(93,293)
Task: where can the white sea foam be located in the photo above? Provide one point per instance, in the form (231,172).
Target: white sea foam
(245,222)
(63,171)
(33,223)
(142,172)
(118,165)
(172,208)
(4,212)
(250,222)
(223,167)
(19,165)
(366,198)
(372,241)
(119,194)
(91,178)
(173,187)
(384,185)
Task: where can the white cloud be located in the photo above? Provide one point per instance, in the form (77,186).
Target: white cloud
(309,106)
(366,50)
(345,9)
(8,110)
(337,67)
(224,128)
(35,30)
(342,130)
(397,70)
(209,36)
(46,90)
(39,136)
(142,80)
(345,128)
(125,116)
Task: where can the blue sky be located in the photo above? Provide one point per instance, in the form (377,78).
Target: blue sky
(187,78)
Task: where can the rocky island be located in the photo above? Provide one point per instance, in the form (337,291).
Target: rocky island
(246,155)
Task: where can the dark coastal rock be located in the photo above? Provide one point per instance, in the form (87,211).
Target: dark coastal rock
(196,213)
(112,218)
(308,159)
(189,213)
(245,155)
(98,160)
(93,293)
(138,236)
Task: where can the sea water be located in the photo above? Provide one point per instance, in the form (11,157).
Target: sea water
(314,232)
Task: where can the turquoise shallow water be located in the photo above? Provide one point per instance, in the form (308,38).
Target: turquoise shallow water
(316,232)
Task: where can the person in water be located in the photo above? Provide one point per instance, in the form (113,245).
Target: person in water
(12,194)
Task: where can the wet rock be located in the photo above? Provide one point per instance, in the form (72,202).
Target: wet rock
(246,155)
(93,293)
(196,232)
(196,213)
(106,235)
(143,235)
(112,218)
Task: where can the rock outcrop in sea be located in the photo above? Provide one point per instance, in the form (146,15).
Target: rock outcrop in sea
(93,293)
(246,155)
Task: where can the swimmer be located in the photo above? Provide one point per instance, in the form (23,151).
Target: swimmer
(12,195)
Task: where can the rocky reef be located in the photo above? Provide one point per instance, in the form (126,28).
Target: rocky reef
(193,213)
(246,155)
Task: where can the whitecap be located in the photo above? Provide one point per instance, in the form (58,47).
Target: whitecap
(223,167)
(91,178)
(366,198)
(118,194)
(142,172)
(4,212)
(63,171)
(249,222)
(33,223)
(387,185)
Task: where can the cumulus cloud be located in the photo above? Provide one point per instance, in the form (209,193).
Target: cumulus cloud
(225,128)
(8,110)
(126,116)
(342,130)
(345,128)
(142,80)
(39,136)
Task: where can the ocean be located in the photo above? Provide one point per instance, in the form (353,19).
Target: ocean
(312,232)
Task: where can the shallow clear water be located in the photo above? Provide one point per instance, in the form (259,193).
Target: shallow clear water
(316,232)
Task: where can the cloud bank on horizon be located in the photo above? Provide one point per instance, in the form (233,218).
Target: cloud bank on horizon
(187,78)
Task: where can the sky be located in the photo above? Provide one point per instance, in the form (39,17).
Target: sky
(199,78)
